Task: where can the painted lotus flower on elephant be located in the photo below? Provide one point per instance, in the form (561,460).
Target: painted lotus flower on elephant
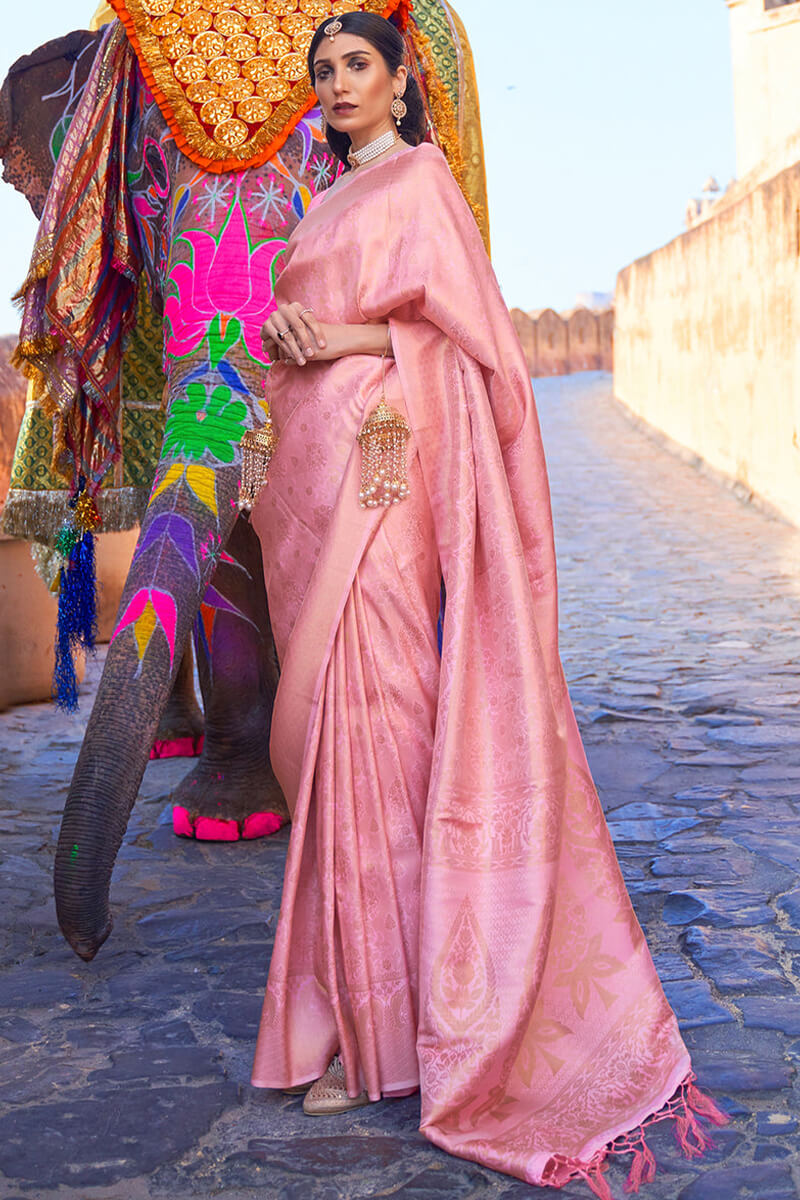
(149,610)
(199,424)
(226,277)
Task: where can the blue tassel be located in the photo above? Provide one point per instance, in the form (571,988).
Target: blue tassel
(65,681)
(77,619)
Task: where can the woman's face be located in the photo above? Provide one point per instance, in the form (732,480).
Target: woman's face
(355,87)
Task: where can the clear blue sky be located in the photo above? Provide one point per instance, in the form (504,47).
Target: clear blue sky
(600,120)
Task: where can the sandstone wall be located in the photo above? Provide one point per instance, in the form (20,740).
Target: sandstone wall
(563,343)
(765,47)
(707,340)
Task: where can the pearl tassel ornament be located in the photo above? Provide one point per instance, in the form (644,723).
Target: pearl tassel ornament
(383,440)
(258,446)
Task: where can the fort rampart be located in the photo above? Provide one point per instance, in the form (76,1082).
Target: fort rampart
(707,339)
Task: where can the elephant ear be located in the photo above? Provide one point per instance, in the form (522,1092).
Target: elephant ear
(37,102)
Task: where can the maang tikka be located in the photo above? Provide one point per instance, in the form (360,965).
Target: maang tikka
(333,28)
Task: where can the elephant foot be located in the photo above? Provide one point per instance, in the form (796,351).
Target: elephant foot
(214,829)
(177,747)
(180,730)
(226,806)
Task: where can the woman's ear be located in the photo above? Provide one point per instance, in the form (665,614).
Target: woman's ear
(400,79)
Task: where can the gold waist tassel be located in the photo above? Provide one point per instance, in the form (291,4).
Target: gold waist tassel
(383,440)
(258,446)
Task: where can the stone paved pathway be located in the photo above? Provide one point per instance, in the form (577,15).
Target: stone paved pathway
(126,1078)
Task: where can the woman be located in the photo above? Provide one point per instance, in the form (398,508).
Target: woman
(453,916)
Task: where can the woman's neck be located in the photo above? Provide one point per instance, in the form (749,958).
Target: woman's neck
(383,145)
(360,138)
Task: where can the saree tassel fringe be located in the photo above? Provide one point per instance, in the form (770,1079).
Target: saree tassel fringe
(383,440)
(686,1106)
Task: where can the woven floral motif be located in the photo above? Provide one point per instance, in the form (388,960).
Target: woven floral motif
(230,76)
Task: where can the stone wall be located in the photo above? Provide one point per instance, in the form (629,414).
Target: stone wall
(765,48)
(707,340)
(563,343)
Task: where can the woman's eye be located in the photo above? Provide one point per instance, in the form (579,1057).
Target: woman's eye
(359,66)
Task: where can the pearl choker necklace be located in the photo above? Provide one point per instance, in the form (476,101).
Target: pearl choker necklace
(358,158)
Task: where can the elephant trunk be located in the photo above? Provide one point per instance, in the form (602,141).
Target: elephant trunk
(101,796)
(115,752)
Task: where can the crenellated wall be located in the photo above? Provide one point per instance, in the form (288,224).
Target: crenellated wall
(563,343)
(707,339)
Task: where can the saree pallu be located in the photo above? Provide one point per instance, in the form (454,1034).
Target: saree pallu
(453,912)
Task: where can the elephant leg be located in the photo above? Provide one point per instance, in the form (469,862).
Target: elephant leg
(180,730)
(232,791)
(192,509)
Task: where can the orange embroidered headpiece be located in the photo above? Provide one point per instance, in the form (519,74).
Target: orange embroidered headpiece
(230,75)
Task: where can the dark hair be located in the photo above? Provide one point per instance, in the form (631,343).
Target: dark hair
(388,41)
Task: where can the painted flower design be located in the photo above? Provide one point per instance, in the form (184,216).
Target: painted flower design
(199,424)
(226,277)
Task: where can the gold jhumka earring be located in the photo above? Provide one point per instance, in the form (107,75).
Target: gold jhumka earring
(258,447)
(382,439)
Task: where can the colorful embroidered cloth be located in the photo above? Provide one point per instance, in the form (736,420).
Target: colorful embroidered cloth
(164,202)
(453,913)
(230,76)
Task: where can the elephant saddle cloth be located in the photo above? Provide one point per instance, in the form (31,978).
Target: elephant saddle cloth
(230,76)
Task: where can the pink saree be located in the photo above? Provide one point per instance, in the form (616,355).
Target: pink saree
(453,914)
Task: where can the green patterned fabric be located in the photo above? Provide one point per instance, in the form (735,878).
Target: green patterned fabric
(37,498)
(431,20)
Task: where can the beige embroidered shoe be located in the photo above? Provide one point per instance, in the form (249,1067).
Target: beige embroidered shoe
(328,1095)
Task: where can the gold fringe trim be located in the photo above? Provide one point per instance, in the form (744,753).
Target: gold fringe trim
(38,516)
(444,117)
(40,267)
(27,358)
(47,563)
(33,348)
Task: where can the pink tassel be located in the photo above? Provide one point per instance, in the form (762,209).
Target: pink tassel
(691,1138)
(704,1106)
(597,1182)
(643,1167)
(685,1106)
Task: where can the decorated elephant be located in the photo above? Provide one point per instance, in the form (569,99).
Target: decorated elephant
(193,147)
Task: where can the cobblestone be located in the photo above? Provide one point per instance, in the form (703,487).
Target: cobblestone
(127,1078)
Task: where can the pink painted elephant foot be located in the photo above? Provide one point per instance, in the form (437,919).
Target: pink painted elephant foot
(177,747)
(220,829)
(227,799)
(180,730)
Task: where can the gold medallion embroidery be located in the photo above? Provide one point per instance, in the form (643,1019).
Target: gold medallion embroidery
(204,59)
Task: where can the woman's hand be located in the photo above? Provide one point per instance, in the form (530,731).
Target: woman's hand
(306,339)
(292,333)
